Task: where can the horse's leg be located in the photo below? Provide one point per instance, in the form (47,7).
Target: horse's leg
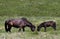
(45,29)
(9,28)
(23,29)
(19,29)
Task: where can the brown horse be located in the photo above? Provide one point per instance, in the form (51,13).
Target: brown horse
(18,23)
(47,24)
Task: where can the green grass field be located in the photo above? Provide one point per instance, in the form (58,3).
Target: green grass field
(36,11)
(30,7)
(28,34)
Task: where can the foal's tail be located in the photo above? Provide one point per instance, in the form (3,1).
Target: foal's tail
(6,26)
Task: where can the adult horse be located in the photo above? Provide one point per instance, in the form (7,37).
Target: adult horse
(47,24)
(18,23)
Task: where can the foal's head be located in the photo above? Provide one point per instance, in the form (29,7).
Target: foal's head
(39,27)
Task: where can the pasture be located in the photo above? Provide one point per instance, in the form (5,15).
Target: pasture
(36,11)
(28,34)
(30,8)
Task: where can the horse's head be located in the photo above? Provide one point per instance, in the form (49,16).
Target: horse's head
(33,28)
(29,24)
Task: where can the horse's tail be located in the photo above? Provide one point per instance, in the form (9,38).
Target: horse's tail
(6,26)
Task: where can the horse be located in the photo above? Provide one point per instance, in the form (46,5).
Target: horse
(18,23)
(47,24)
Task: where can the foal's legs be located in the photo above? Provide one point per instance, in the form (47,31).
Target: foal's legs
(45,29)
(54,27)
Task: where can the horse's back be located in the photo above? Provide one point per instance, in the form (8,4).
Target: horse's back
(20,21)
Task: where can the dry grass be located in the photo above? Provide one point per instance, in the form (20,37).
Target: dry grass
(25,35)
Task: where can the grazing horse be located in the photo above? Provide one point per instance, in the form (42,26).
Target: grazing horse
(18,23)
(47,24)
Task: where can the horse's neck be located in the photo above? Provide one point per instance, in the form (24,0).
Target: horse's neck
(29,25)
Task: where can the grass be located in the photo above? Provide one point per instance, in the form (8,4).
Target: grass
(28,34)
(36,11)
(30,8)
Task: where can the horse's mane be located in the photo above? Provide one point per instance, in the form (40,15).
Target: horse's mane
(25,19)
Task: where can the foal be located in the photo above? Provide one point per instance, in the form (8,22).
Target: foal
(47,24)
